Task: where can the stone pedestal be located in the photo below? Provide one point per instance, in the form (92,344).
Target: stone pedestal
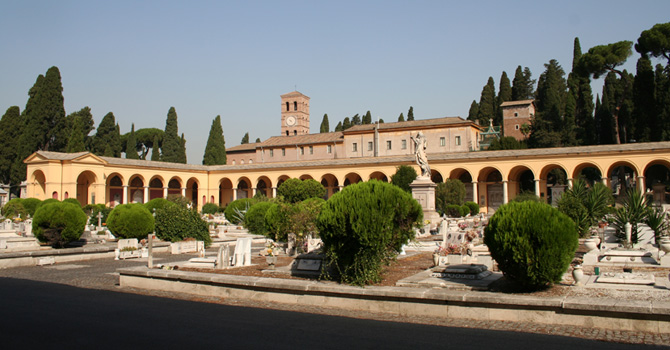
(423,190)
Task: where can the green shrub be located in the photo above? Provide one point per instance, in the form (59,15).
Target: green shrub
(454,211)
(99,208)
(586,205)
(130,221)
(533,243)
(210,208)
(175,223)
(526,196)
(364,226)
(236,209)
(14,208)
(157,204)
(59,223)
(277,219)
(474,208)
(50,200)
(303,218)
(31,205)
(254,220)
(448,193)
(71,200)
(296,190)
(403,177)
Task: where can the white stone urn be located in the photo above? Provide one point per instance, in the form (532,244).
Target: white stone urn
(664,244)
(595,238)
(578,275)
(591,244)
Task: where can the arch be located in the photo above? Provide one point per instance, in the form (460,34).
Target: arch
(54,195)
(589,172)
(136,189)
(66,195)
(436,176)
(192,190)
(466,178)
(114,190)
(85,180)
(156,185)
(352,178)
(38,180)
(657,181)
(622,175)
(378,175)
(490,181)
(330,183)
(306,177)
(263,186)
(553,182)
(244,188)
(521,179)
(226,193)
(174,187)
(281,179)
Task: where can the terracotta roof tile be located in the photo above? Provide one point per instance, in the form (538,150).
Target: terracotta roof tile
(410,124)
(516,103)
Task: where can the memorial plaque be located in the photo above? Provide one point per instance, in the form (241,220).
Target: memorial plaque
(309,264)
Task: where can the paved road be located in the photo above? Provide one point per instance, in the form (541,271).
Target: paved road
(54,316)
(28,293)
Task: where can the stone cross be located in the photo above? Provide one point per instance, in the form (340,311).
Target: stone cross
(99,216)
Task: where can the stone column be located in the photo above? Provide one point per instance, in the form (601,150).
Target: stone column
(165,192)
(125,194)
(254,191)
(537,187)
(183,191)
(569,183)
(475,193)
(234,193)
(146,194)
(604,180)
(640,183)
(505,194)
(274,192)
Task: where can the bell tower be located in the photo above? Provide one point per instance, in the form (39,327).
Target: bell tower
(294,114)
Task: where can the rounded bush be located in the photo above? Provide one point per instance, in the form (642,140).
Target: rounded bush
(14,208)
(95,210)
(210,208)
(175,223)
(50,200)
(59,223)
(157,204)
(130,221)
(254,220)
(296,190)
(454,211)
(364,226)
(465,210)
(72,200)
(474,208)
(533,243)
(236,209)
(31,205)
(277,219)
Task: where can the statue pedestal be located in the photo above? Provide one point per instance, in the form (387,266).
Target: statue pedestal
(423,190)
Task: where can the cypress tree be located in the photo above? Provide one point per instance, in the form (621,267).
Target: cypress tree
(156,149)
(325,126)
(474,111)
(346,124)
(579,104)
(410,113)
(182,154)
(548,124)
(215,151)
(522,85)
(487,103)
(245,139)
(504,95)
(662,81)
(258,140)
(131,144)
(173,150)
(367,118)
(401,118)
(356,120)
(338,127)
(644,102)
(107,140)
(86,124)
(75,142)
(11,126)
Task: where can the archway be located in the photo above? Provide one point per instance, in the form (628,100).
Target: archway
(174,187)
(156,188)
(378,175)
(192,190)
(493,196)
(263,187)
(226,193)
(136,189)
(352,178)
(588,172)
(84,182)
(244,188)
(521,180)
(436,176)
(115,188)
(622,176)
(657,182)
(555,180)
(38,181)
(330,183)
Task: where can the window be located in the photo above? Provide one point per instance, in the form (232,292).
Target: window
(404,144)
(354,147)
(251,161)
(388,144)
(295,105)
(272,153)
(443,141)
(516,114)
(516,126)
(370,146)
(330,149)
(295,132)
(302,151)
(311,149)
(242,161)
(283,152)
(458,140)
(287,109)
(233,161)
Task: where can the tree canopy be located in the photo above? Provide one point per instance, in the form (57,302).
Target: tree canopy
(215,151)
(172,147)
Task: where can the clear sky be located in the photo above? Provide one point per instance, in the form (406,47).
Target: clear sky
(234,58)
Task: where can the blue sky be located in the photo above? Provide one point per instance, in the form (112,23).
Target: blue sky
(229,58)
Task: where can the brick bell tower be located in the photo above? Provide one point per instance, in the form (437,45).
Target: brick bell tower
(294,114)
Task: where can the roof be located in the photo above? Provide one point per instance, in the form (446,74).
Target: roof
(294,93)
(326,137)
(516,103)
(243,147)
(423,123)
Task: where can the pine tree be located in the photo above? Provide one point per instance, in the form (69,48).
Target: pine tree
(11,126)
(346,124)
(156,149)
(548,124)
(338,127)
(474,111)
(367,118)
(504,95)
(644,102)
(401,118)
(53,110)
(487,103)
(173,150)
(131,144)
(655,41)
(215,151)
(410,113)
(107,140)
(245,139)
(325,126)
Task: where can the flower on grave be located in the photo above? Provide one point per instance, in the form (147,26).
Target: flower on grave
(450,249)
(271,249)
(462,226)
(427,222)
(471,235)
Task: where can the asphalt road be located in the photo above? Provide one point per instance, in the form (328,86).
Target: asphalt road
(37,314)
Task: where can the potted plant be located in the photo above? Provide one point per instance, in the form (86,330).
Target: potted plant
(271,252)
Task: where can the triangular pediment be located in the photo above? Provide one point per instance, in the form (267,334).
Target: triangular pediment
(89,158)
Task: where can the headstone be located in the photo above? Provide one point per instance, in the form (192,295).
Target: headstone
(127,248)
(242,255)
(443,231)
(313,244)
(223,257)
(290,249)
(29,228)
(99,216)
(8,225)
(127,243)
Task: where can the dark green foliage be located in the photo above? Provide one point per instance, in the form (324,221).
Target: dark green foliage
(92,211)
(173,149)
(175,223)
(236,209)
(296,190)
(215,151)
(325,125)
(532,243)
(504,95)
(59,223)
(644,102)
(245,139)
(655,41)
(157,204)
(453,211)
(131,144)
(548,124)
(107,140)
(356,120)
(367,118)
(156,150)
(526,196)
(523,86)
(656,221)
(31,205)
(662,79)
(258,139)
(507,142)
(404,175)
(130,221)
(449,192)
(50,200)
(210,208)
(346,124)
(487,103)
(474,207)
(14,208)
(338,127)
(410,113)
(474,111)
(277,220)
(579,105)
(11,126)
(364,226)
(254,220)
(72,200)
(634,210)
(146,140)
(76,141)
(401,117)
(304,215)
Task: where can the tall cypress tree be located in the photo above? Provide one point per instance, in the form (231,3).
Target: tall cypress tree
(356,120)
(474,111)
(504,95)
(11,126)
(522,85)
(84,118)
(107,140)
(76,141)
(548,123)
(338,127)
(156,149)
(579,105)
(131,144)
(367,118)
(346,124)
(173,150)
(410,113)
(487,103)
(182,153)
(325,126)
(245,139)
(644,102)
(401,117)
(662,80)
(215,151)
